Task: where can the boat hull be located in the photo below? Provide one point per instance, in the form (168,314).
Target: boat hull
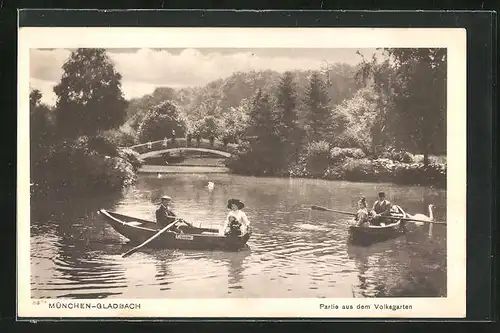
(138,231)
(367,235)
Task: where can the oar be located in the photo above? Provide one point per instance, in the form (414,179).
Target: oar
(411,220)
(149,240)
(332,210)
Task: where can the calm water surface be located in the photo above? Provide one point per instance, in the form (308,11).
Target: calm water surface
(293,252)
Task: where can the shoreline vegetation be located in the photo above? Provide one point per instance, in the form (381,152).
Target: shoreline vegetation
(381,121)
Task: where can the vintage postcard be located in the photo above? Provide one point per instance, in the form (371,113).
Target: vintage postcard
(241,172)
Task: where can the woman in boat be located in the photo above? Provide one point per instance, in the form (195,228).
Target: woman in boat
(236,219)
(362,215)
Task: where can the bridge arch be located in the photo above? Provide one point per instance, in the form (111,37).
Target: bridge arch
(177,149)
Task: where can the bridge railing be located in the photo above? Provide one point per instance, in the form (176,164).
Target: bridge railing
(182,143)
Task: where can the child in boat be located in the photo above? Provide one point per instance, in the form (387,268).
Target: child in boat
(362,215)
(234,217)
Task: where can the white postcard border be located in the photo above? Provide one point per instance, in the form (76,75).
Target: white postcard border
(453,39)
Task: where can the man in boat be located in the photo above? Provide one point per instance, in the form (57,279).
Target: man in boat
(381,208)
(164,214)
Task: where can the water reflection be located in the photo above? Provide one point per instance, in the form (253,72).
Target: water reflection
(293,252)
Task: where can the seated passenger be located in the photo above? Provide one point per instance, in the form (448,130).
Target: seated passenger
(235,215)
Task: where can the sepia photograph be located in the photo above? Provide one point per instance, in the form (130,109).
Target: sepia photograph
(225,171)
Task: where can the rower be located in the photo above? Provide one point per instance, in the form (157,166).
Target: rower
(164,214)
(381,208)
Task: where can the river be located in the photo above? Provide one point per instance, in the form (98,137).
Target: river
(293,252)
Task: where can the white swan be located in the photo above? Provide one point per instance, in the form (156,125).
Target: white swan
(210,186)
(423,217)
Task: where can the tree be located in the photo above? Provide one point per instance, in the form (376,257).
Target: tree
(138,107)
(234,122)
(89,96)
(265,151)
(420,99)
(41,127)
(160,122)
(210,128)
(357,120)
(286,115)
(317,103)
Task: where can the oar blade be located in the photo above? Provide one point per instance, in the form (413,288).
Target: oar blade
(319,208)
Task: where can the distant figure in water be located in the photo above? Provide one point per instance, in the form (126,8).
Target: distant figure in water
(237,222)
(210,186)
(160,176)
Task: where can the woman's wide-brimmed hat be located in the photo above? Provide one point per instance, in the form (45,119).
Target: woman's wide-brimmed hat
(166,197)
(236,202)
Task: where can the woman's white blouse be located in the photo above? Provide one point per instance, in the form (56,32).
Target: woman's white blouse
(240,216)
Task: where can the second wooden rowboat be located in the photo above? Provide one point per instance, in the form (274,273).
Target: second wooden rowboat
(370,234)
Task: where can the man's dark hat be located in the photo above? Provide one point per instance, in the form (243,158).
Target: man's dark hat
(381,194)
(236,202)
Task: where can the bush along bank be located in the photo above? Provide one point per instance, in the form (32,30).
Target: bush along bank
(82,167)
(353,164)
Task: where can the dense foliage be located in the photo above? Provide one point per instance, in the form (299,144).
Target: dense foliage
(75,146)
(89,96)
(369,122)
(163,120)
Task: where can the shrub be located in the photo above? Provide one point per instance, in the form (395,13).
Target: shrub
(340,154)
(359,170)
(318,157)
(397,155)
(419,174)
(132,157)
(121,138)
(84,166)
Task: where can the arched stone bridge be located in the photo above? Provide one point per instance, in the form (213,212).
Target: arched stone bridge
(156,148)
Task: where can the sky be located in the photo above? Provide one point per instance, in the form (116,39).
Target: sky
(143,70)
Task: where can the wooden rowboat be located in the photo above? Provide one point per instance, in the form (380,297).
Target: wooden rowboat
(139,230)
(370,234)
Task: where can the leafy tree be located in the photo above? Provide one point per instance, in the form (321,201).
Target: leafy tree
(41,125)
(264,153)
(89,96)
(138,107)
(317,103)
(234,122)
(411,84)
(210,128)
(420,99)
(357,118)
(160,122)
